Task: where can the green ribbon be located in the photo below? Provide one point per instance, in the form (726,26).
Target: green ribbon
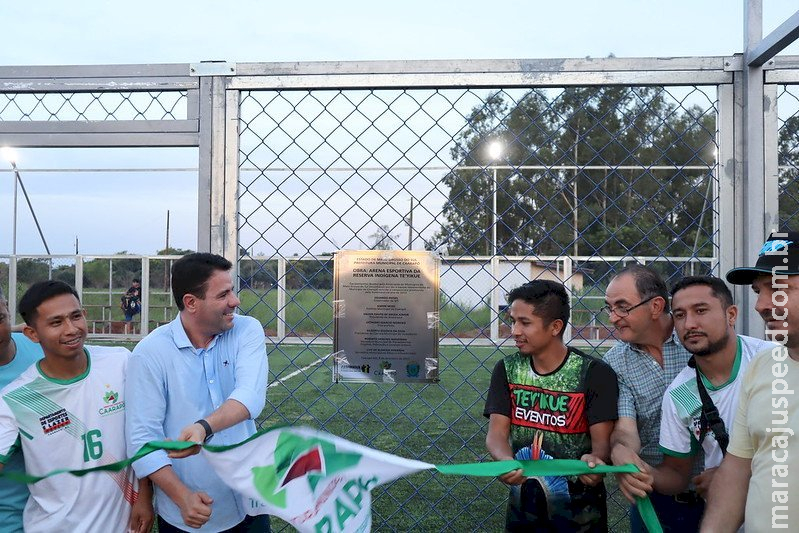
(147,449)
(554,467)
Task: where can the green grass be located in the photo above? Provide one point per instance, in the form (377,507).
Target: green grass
(436,423)
(310,312)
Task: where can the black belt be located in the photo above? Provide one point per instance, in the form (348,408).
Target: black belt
(689,497)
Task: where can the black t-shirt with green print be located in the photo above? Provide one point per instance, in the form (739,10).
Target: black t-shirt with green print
(550,419)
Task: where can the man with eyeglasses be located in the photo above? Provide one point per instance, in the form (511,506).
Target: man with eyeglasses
(646,358)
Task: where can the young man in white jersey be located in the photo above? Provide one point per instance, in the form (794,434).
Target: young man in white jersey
(68,412)
(704,318)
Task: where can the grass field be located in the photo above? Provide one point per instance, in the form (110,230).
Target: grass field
(436,423)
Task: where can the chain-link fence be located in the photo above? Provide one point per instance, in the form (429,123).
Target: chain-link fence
(101,282)
(509,185)
(788,154)
(85,107)
(511,171)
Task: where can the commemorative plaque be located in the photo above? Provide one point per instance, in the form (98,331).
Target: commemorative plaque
(385,314)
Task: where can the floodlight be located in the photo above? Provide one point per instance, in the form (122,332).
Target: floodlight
(9,154)
(495,150)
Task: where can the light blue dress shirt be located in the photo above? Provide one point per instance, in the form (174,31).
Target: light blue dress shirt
(171,384)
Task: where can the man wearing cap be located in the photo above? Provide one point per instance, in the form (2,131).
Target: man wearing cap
(756,480)
(646,359)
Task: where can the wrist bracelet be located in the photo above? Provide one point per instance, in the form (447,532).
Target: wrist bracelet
(207,427)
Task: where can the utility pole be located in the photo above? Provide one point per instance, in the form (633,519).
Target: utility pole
(166,251)
(167,231)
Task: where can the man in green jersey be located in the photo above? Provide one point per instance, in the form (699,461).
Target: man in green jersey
(549,401)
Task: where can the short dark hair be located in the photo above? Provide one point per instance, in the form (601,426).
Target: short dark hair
(136,280)
(717,287)
(40,292)
(548,298)
(191,272)
(648,283)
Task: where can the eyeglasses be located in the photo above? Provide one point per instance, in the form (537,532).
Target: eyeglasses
(622,312)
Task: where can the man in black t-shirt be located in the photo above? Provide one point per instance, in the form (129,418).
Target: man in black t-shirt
(548,401)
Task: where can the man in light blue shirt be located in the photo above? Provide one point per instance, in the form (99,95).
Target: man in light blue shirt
(17,353)
(200,378)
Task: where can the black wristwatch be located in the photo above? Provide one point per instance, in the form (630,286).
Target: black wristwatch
(207,427)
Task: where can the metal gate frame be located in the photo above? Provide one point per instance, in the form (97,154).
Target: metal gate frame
(722,72)
(748,208)
(747,205)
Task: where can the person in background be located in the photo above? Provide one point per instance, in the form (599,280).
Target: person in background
(131,304)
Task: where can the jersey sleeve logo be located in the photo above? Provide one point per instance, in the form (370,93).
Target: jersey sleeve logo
(557,411)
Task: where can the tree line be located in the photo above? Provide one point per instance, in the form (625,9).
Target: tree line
(615,171)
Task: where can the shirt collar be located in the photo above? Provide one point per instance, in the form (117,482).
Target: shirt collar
(179,334)
(181,338)
(672,339)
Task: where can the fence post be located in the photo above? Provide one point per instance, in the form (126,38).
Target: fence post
(281,298)
(727,175)
(754,181)
(79,277)
(494,315)
(12,288)
(568,282)
(145,295)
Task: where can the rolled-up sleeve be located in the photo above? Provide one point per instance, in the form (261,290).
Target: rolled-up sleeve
(252,369)
(145,406)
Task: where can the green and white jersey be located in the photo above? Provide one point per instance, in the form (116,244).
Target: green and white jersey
(681,410)
(72,424)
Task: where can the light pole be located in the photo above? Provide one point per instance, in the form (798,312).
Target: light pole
(11,156)
(495,150)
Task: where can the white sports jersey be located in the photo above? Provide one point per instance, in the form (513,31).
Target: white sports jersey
(74,424)
(682,406)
